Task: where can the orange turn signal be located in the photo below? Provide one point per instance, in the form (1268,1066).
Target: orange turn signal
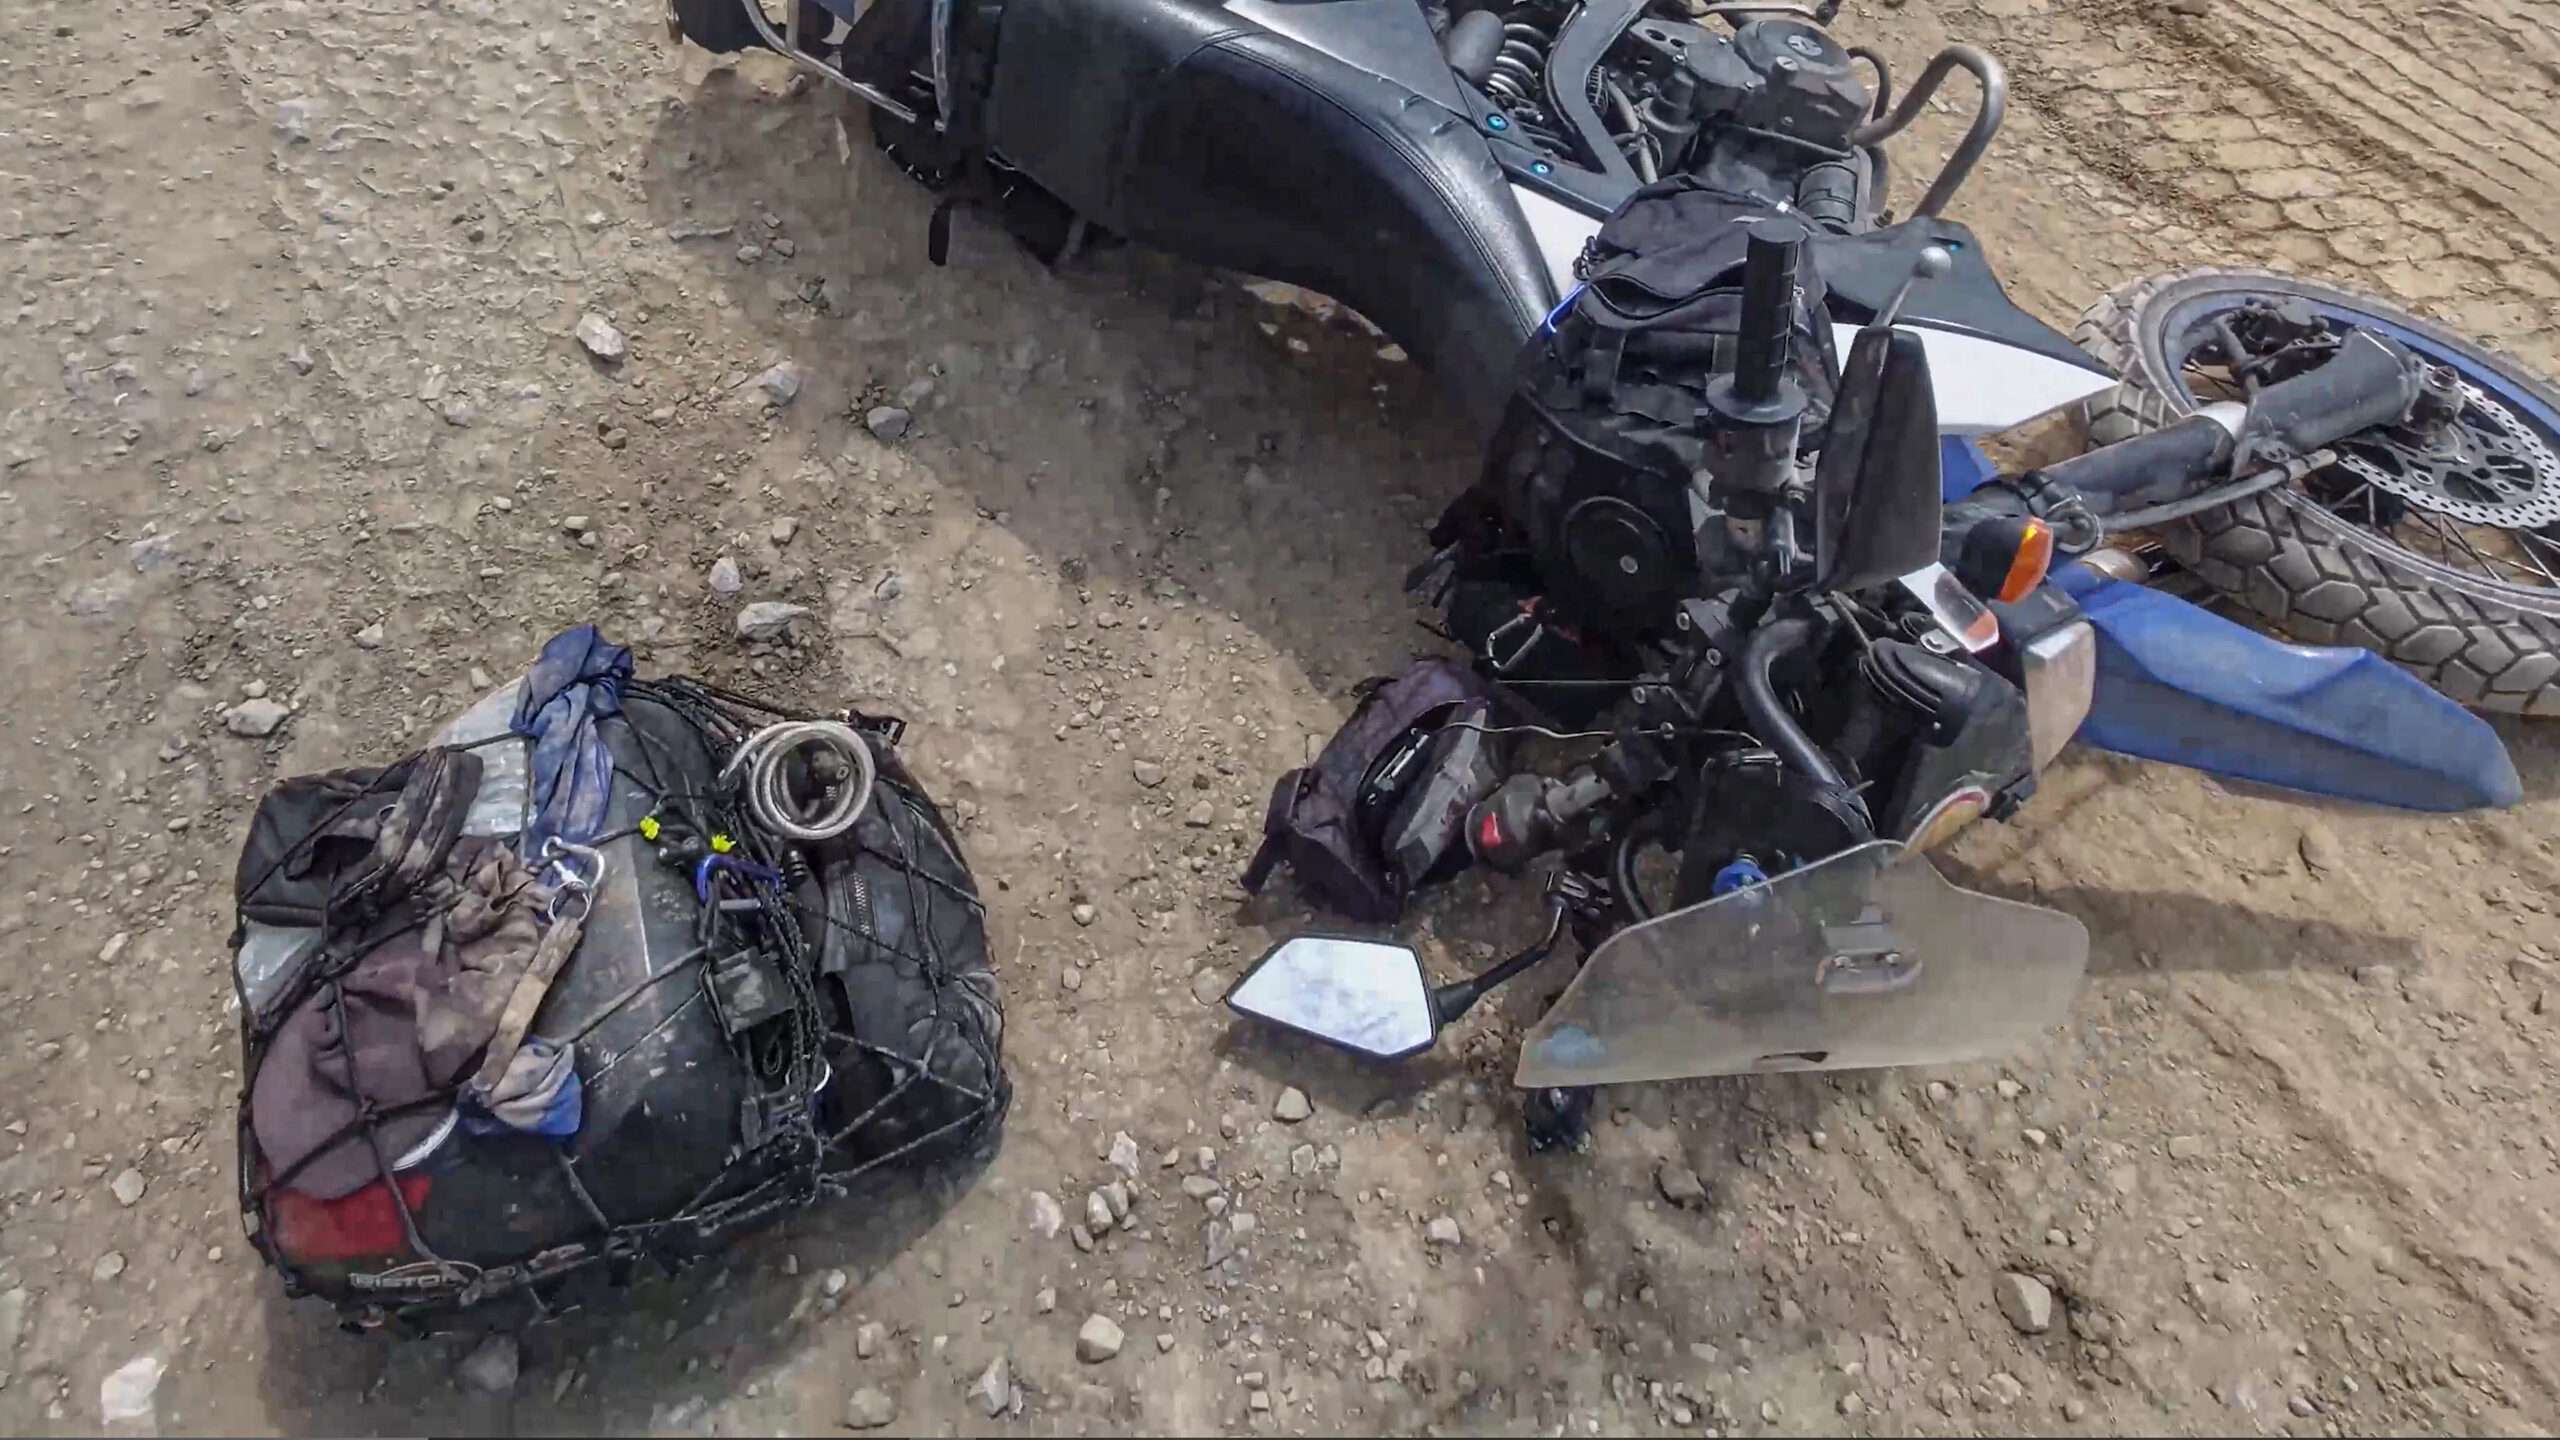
(2028,562)
(2004,557)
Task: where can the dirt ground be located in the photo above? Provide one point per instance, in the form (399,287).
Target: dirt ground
(289,405)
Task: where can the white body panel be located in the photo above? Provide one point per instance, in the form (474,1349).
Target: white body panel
(1560,233)
(1983,386)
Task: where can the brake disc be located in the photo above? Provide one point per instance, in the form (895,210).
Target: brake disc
(2484,467)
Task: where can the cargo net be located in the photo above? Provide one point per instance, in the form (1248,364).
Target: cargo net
(849,972)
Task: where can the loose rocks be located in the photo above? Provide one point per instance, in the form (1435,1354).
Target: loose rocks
(491,1369)
(2026,1302)
(1680,1185)
(781,384)
(768,619)
(1098,1340)
(992,1391)
(254,719)
(870,1408)
(1044,1215)
(604,342)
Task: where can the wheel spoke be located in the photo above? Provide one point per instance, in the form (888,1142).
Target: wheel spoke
(2454,533)
(2533,547)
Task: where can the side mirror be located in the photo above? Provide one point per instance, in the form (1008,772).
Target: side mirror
(1366,996)
(1877,487)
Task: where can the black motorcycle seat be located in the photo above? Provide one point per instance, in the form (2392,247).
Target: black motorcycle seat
(1198,131)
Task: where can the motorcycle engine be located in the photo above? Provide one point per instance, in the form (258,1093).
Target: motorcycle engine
(1785,76)
(1767,109)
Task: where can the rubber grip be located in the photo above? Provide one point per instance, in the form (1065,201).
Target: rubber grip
(1774,250)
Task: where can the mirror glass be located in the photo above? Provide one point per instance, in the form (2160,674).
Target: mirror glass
(1362,995)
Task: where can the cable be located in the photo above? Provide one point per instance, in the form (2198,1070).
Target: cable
(760,759)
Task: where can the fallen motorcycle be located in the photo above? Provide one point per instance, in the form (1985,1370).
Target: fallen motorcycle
(1735,569)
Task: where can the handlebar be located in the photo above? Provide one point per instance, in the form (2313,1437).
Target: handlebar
(1774,251)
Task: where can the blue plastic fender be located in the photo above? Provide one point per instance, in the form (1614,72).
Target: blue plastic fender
(2180,684)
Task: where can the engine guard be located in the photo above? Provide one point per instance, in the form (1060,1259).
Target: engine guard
(1870,958)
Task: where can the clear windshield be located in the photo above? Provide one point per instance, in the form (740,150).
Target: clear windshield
(1869,958)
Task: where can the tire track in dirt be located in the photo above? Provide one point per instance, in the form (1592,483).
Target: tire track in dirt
(2385,86)
(2458,1264)
(2270,163)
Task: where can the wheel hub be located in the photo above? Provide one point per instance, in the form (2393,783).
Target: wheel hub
(2483,466)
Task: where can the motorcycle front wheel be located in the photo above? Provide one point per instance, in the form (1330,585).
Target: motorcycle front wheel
(2442,557)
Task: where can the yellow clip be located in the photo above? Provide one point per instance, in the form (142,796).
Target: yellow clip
(722,844)
(648,827)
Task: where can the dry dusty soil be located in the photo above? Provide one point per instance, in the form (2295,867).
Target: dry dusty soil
(290,406)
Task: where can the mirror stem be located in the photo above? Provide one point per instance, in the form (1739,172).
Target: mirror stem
(1458,997)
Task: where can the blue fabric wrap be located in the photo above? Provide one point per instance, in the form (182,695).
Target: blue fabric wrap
(539,1095)
(574,684)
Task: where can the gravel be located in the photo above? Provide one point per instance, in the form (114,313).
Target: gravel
(781,384)
(1679,1184)
(1147,773)
(2025,1301)
(1098,1339)
(1292,1106)
(152,553)
(602,339)
(1097,1213)
(724,578)
(1443,1233)
(255,719)
(2319,849)
(492,1368)
(293,119)
(128,1393)
(1123,1153)
(768,619)
(127,1187)
(889,422)
(869,1338)
(870,1408)
(992,1391)
(1044,1214)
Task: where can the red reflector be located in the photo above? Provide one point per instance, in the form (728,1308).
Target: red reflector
(1488,833)
(352,1227)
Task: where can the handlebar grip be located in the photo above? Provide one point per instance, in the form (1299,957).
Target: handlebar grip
(1775,249)
(2165,462)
